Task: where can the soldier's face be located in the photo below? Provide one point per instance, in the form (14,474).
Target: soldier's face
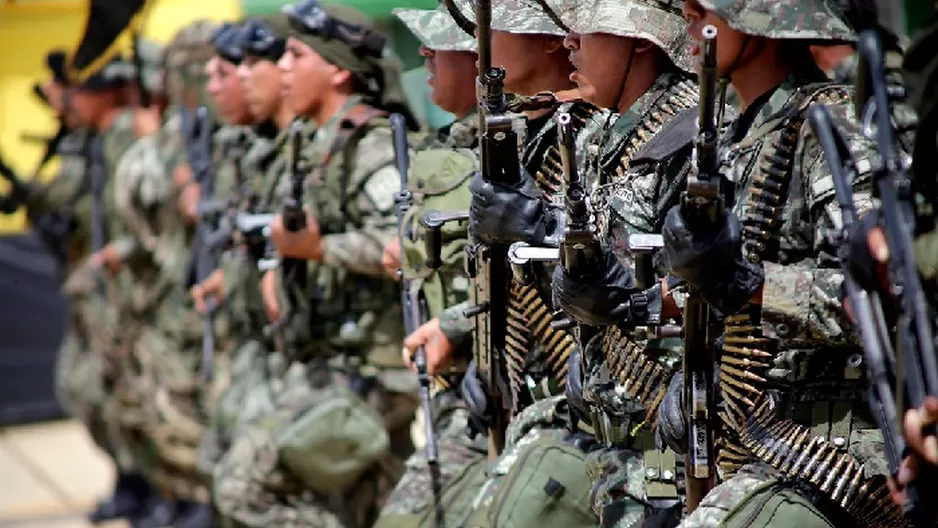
(733,47)
(307,77)
(524,57)
(261,81)
(227,92)
(452,79)
(601,62)
(89,105)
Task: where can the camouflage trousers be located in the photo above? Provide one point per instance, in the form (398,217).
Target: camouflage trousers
(243,392)
(416,494)
(161,410)
(303,465)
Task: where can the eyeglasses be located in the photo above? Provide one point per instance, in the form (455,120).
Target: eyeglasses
(225,42)
(255,39)
(309,17)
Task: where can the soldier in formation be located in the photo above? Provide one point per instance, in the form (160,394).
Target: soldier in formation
(237,222)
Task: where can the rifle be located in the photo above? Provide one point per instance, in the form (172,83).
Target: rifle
(414,310)
(203,258)
(902,369)
(294,218)
(488,266)
(702,207)
(138,71)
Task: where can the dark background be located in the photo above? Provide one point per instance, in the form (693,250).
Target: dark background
(32,321)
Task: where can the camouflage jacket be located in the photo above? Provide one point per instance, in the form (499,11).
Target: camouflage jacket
(115,141)
(800,328)
(632,195)
(351,306)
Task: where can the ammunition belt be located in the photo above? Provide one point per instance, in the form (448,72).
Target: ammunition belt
(529,320)
(751,430)
(643,378)
(544,163)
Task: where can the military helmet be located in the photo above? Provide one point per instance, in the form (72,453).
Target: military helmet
(265,38)
(817,20)
(185,58)
(150,57)
(226,40)
(516,16)
(657,21)
(436,29)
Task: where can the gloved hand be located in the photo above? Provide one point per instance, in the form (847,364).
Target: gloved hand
(477,400)
(711,262)
(609,299)
(672,428)
(504,215)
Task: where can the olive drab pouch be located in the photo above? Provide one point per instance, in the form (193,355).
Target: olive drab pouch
(547,486)
(455,500)
(773,506)
(334,441)
(439,182)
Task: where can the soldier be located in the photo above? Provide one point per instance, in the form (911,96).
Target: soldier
(262,42)
(795,443)
(438,180)
(633,58)
(156,310)
(338,321)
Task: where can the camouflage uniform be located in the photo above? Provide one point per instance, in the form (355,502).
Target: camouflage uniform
(438,180)
(635,182)
(341,339)
(803,397)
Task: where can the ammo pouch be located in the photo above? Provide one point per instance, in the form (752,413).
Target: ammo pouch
(546,486)
(330,445)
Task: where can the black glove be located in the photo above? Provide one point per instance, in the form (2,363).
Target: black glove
(504,215)
(477,400)
(862,264)
(672,428)
(608,299)
(712,263)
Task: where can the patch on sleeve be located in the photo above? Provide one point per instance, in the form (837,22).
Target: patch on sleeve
(382,186)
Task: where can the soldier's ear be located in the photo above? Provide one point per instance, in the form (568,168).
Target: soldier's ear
(342,78)
(553,44)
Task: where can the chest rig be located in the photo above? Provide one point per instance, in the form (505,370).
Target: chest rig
(536,354)
(751,429)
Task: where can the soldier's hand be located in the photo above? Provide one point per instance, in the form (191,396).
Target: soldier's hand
(391,258)
(436,345)
(500,214)
(269,295)
(212,286)
(598,301)
(188,203)
(305,244)
(924,448)
(107,258)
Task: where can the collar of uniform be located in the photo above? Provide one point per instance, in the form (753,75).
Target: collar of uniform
(333,122)
(626,122)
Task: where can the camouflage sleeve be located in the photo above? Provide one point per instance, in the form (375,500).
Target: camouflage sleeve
(801,303)
(359,249)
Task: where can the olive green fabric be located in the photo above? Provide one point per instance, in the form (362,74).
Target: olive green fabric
(334,442)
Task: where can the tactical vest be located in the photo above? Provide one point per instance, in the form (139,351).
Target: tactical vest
(758,419)
(659,134)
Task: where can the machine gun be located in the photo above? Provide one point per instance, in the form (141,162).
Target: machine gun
(294,219)
(901,367)
(12,201)
(488,265)
(203,258)
(702,207)
(414,309)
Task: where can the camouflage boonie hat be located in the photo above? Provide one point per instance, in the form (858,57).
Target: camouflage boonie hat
(817,20)
(521,17)
(436,29)
(150,54)
(114,73)
(185,58)
(658,21)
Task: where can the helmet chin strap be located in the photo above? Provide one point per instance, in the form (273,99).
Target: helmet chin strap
(625,76)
